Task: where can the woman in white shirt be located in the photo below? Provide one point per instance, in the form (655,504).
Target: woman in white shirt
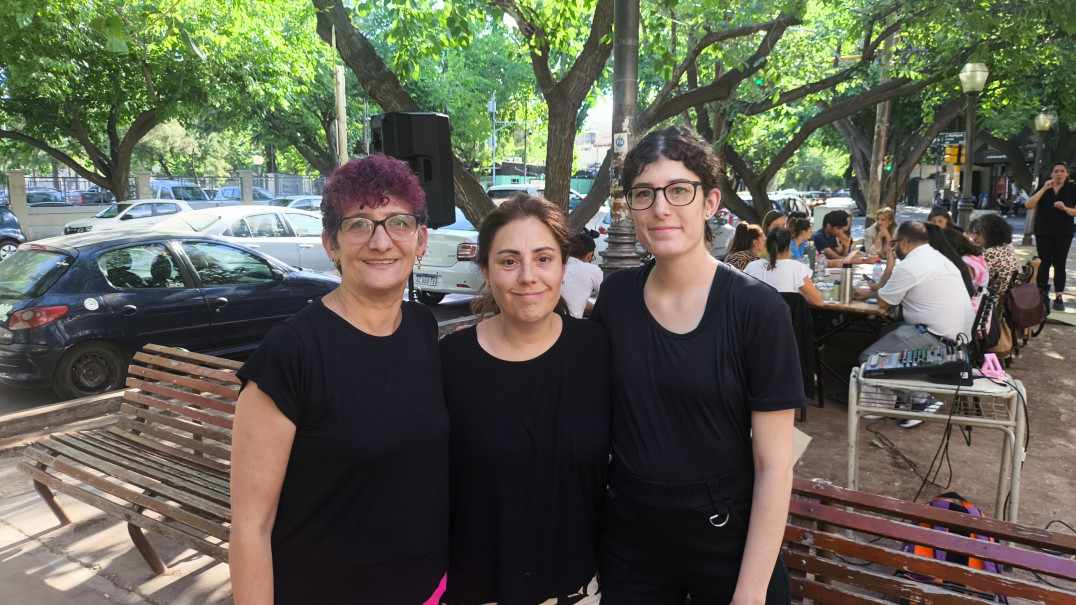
(786,275)
(877,235)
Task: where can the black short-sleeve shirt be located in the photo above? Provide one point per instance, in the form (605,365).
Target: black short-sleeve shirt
(530,449)
(363,513)
(1051,222)
(682,403)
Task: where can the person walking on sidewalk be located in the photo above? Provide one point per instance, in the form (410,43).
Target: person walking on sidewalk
(1056,202)
(528,395)
(706,378)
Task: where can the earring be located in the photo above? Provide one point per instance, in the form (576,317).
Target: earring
(419,262)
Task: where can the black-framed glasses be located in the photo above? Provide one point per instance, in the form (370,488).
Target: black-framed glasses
(359,229)
(680,193)
(893,242)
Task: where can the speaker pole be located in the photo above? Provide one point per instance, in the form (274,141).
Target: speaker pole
(341,118)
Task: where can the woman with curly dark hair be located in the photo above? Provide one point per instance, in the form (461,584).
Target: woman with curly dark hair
(994,235)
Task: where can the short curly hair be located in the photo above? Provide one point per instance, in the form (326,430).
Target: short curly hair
(995,230)
(367,183)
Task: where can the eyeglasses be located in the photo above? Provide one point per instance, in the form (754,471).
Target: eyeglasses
(893,242)
(360,229)
(677,194)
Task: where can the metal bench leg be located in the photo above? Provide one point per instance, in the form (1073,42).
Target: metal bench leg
(146,549)
(50,499)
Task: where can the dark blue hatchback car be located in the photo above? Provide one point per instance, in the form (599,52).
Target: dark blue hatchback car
(73,309)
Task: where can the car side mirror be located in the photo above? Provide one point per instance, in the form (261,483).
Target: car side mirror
(125,217)
(279,276)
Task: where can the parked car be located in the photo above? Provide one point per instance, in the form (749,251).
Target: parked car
(45,196)
(290,235)
(95,195)
(499,193)
(233,193)
(177,190)
(301,202)
(73,309)
(136,214)
(449,265)
(723,225)
(11,234)
(210,193)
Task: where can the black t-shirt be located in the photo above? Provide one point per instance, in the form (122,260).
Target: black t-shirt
(682,403)
(1050,221)
(530,450)
(363,513)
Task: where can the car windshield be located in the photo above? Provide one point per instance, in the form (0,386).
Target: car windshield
(280,201)
(112,211)
(187,222)
(461,224)
(30,273)
(189,193)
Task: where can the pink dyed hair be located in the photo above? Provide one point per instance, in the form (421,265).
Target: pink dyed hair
(367,183)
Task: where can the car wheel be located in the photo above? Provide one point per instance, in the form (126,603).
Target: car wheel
(89,368)
(429,298)
(8,247)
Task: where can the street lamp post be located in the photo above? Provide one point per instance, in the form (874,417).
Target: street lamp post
(1043,122)
(972,80)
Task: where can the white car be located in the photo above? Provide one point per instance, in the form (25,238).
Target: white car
(290,235)
(449,266)
(135,214)
(500,193)
(302,202)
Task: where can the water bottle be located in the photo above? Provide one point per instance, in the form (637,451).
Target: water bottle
(879,269)
(809,255)
(820,266)
(835,292)
(846,279)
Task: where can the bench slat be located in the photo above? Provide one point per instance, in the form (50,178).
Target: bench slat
(132,461)
(178,409)
(188,368)
(211,467)
(207,431)
(180,492)
(200,358)
(199,446)
(230,392)
(897,559)
(887,584)
(1001,530)
(829,595)
(188,518)
(207,548)
(907,532)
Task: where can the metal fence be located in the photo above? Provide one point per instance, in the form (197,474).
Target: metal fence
(276,183)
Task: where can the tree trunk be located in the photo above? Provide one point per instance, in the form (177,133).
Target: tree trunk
(560,147)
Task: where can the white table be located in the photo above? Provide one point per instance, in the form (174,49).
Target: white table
(983,404)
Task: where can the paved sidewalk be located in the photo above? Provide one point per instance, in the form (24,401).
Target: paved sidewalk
(92,561)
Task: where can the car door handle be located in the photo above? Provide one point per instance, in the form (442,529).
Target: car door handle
(254,245)
(128,310)
(220,303)
(305,246)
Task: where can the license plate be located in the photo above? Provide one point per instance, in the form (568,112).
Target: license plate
(425,280)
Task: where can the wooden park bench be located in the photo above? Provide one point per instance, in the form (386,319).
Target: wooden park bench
(164,465)
(844,546)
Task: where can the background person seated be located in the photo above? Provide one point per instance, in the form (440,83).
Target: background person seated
(785,275)
(930,289)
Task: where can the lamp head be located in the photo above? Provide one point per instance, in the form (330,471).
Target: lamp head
(1044,121)
(973,77)
(258,160)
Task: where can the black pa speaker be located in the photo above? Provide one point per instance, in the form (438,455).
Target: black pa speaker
(422,140)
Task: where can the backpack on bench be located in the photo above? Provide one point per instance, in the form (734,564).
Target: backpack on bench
(953,501)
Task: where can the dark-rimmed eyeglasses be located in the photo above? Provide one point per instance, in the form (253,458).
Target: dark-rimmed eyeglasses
(359,229)
(680,193)
(893,242)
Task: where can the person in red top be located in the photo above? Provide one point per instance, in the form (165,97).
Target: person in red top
(1054,228)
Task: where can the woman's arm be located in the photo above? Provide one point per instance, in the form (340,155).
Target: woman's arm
(811,293)
(1033,201)
(261,446)
(772,448)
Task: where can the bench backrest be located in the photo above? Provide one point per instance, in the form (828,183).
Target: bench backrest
(184,399)
(841,542)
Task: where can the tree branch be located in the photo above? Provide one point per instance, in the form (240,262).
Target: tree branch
(62,157)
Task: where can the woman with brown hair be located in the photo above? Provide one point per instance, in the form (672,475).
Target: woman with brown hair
(747,243)
(527,391)
(877,236)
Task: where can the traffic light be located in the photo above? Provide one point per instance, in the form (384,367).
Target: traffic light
(954,154)
(888,163)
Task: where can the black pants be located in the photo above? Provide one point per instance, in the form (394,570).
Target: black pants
(667,543)
(1053,251)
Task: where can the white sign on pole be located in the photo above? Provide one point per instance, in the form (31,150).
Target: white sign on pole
(620,143)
